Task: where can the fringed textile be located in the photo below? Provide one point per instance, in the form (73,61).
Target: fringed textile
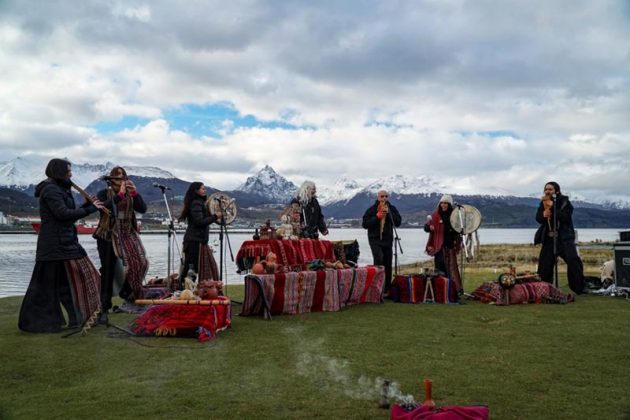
(311,291)
(290,253)
(85,285)
(202,321)
(207,265)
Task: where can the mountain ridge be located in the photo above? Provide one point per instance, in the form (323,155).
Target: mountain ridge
(264,193)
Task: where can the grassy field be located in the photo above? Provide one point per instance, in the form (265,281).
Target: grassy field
(523,361)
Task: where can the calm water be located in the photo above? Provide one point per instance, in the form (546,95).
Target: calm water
(17,252)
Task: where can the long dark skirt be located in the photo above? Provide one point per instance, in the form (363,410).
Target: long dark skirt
(446,262)
(201,258)
(73,284)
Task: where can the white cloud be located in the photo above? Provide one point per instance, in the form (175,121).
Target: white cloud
(405,87)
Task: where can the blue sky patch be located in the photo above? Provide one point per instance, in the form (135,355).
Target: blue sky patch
(199,120)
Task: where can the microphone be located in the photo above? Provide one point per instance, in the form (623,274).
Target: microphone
(110,178)
(429,217)
(553,196)
(164,187)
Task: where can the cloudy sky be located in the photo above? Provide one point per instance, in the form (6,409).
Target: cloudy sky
(484,96)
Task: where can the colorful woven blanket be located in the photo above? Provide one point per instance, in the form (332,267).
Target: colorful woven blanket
(414,288)
(290,253)
(311,291)
(531,292)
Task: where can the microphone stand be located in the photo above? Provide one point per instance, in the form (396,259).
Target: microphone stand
(172,237)
(555,241)
(396,243)
(462,222)
(223,231)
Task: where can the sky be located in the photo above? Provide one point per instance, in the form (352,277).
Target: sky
(488,97)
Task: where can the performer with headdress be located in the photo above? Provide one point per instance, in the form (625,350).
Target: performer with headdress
(379,220)
(311,216)
(553,201)
(444,242)
(63,273)
(117,238)
(198,255)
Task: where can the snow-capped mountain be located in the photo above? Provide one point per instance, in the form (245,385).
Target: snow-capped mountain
(405,185)
(20,173)
(343,189)
(267,183)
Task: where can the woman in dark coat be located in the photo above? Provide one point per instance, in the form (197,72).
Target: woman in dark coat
(117,238)
(444,242)
(198,255)
(560,210)
(63,273)
(311,216)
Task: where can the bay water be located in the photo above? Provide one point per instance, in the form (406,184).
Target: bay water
(17,251)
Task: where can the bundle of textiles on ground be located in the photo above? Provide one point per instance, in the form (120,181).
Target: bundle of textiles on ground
(452,412)
(525,289)
(202,319)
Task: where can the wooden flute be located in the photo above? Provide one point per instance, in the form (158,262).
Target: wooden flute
(88,197)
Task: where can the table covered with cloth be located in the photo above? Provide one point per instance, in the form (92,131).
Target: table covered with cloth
(290,253)
(312,291)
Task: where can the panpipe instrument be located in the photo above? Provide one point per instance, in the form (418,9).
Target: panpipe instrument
(547,202)
(382,206)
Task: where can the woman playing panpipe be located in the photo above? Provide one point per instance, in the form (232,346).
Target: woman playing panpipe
(63,274)
(117,238)
(198,254)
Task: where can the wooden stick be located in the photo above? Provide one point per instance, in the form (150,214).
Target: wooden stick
(181,302)
(88,197)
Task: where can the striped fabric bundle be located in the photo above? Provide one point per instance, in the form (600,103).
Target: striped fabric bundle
(413,288)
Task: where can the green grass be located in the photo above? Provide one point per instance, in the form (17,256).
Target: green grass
(523,361)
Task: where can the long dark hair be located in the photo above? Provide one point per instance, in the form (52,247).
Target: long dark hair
(191,193)
(555,185)
(115,169)
(57,170)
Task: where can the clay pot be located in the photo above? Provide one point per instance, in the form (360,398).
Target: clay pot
(258,267)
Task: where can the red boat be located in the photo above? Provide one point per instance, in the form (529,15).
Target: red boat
(83,228)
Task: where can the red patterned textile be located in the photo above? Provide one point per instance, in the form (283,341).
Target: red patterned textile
(85,287)
(530,292)
(206,264)
(203,321)
(451,412)
(129,248)
(413,289)
(291,253)
(311,291)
